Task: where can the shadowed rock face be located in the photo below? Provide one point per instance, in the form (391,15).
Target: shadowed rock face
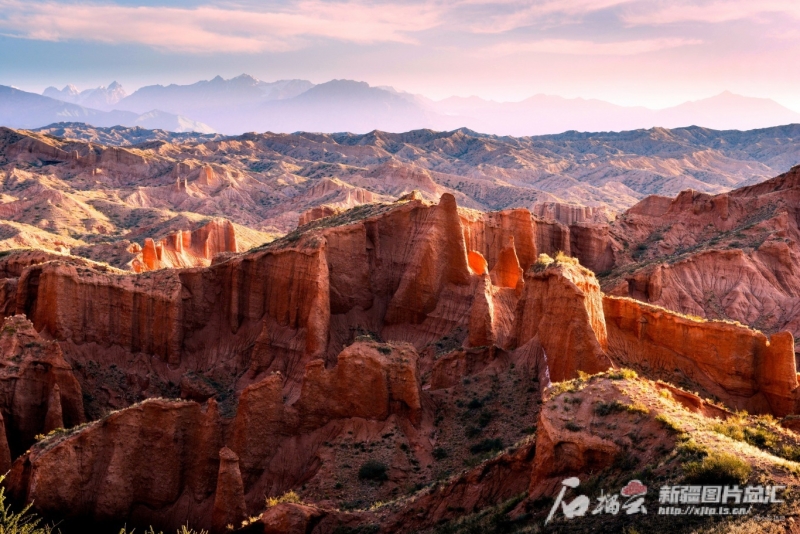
(39,391)
(163,461)
(350,327)
(731,256)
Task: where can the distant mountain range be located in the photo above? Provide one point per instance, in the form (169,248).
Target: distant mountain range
(244,104)
(103,98)
(484,172)
(20,109)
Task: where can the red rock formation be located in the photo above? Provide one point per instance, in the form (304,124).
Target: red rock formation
(507,272)
(743,368)
(38,389)
(570,443)
(290,518)
(155,461)
(477,263)
(440,259)
(229,506)
(271,324)
(569,214)
(317,212)
(54,418)
(551,237)
(495,481)
(593,246)
(138,313)
(562,309)
(365,383)
(729,256)
(151,456)
(187,249)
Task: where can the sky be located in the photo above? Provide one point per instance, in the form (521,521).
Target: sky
(654,53)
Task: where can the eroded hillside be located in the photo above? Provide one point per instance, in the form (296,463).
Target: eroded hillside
(404,366)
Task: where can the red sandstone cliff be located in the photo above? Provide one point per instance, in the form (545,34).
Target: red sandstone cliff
(158,461)
(562,310)
(728,256)
(38,390)
(187,249)
(268,336)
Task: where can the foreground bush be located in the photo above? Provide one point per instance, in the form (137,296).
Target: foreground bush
(373,470)
(718,467)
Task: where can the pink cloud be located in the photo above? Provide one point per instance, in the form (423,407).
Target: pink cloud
(525,13)
(589,48)
(712,12)
(208,29)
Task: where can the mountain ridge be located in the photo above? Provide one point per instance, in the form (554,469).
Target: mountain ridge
(244,103)
(21,109)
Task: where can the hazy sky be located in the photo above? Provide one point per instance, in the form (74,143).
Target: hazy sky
(653,53)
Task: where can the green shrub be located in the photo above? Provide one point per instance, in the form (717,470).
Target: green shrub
(790,452)
(718,468)
(668,423)
(475,404)
(440,453)
(373,470)
(19,522)
(289,497)
(607,408)
(473,432)
(736,428)
(484,419)
(487,445)
(622,374)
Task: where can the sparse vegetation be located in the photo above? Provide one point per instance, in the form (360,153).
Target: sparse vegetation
(373,470)
(669,423)
(717,468)
(622,374)
(738,428)
(22,522)
(289,496)
(487,445)
(606,408)
(572,426)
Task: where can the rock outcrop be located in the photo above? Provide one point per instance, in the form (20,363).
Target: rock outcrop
(570,214)
(731,256)
(571,441)
(38,389)
(159,458)
(562,310)
(743,368)
(187,249)
(152,455)
(229,506)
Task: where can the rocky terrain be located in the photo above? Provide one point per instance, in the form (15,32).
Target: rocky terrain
(100,193)
(176,350)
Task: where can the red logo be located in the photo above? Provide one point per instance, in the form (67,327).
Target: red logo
(634,488)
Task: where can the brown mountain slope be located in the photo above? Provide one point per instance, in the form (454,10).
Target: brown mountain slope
(369,354)
(732,256)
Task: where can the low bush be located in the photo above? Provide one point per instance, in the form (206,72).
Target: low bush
(717,468)
(373,470)
(487,445)
(440,453)
(289,496)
